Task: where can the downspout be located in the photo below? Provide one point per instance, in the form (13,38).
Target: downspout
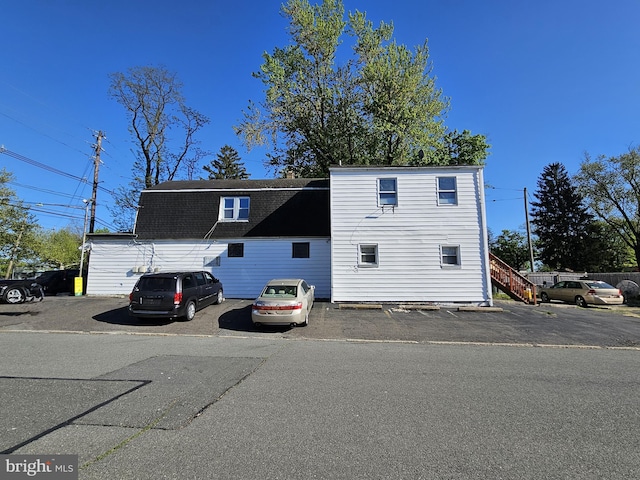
(484,239)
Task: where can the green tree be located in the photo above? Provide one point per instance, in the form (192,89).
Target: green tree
(59,248)
(560,220)
(155,108)
(381,106)
(17,229)
(461,148)
(226,165)
(511,247)
(607,251)
(611,188)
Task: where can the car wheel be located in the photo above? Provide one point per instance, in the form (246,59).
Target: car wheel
(544,297)
(14,295)
(190,311)
(581,302)
(219,298)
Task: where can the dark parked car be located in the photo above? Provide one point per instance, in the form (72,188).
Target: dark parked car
(20,291)
(174,295)
(58,281)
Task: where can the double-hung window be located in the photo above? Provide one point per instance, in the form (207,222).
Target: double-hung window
(367,255)
(234,209)
(450,255)
(387,192)
(447,191)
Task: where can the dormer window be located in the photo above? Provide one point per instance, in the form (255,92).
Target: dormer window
(234,209)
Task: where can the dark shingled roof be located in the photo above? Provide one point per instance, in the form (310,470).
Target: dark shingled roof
(189,209)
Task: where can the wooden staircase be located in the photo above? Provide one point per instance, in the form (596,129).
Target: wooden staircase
(511,282)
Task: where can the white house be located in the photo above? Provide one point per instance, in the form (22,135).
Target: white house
(243,231)
(409,234)
(367,234)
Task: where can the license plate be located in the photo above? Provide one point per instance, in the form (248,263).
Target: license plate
(150,301)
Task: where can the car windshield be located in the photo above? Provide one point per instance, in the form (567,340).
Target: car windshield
(156,283)
(280,291)
(599,285)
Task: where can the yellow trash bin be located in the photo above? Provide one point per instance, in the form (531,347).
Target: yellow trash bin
(77,286)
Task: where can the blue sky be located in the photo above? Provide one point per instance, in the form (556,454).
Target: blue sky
(545,81)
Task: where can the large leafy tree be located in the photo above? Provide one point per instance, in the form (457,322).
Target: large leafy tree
(59,248)
(226,165)
(17,229)
(561,221)
(607,252)
(163,128)
(381,106)
(611,188)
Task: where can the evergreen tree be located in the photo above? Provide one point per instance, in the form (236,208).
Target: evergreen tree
(227,165)
(561,221)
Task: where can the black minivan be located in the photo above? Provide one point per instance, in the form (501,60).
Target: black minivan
(174,295)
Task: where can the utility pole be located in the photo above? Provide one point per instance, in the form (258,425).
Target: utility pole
(96,166)
(526,213)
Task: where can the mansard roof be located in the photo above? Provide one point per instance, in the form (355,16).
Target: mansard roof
(190,209)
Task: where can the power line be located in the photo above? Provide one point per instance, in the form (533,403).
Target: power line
(37,164)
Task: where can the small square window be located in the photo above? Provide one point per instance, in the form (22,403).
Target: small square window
(447,191)
(368,255)
(387,191)
(300,250)
(450,255)
(235,250)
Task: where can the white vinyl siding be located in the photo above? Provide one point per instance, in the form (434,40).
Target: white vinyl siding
(111,270)
(409,239)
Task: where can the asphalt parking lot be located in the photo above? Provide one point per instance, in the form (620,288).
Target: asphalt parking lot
(507,322)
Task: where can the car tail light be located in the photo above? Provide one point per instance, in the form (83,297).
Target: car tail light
(280,308)
(177,298)
(591,292)
(131,297)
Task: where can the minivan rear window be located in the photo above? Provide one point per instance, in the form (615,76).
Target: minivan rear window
(157,283)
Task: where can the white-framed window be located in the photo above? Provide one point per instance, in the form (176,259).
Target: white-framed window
(234,209)
(387,192)
(447,191)
(367,255)
(449,255)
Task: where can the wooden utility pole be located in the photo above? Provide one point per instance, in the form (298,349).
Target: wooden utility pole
(96,167)
(526,214)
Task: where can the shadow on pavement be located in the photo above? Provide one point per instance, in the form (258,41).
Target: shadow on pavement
(239,320)
(120,316)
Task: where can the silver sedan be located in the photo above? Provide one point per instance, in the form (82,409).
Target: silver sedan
(283,301)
